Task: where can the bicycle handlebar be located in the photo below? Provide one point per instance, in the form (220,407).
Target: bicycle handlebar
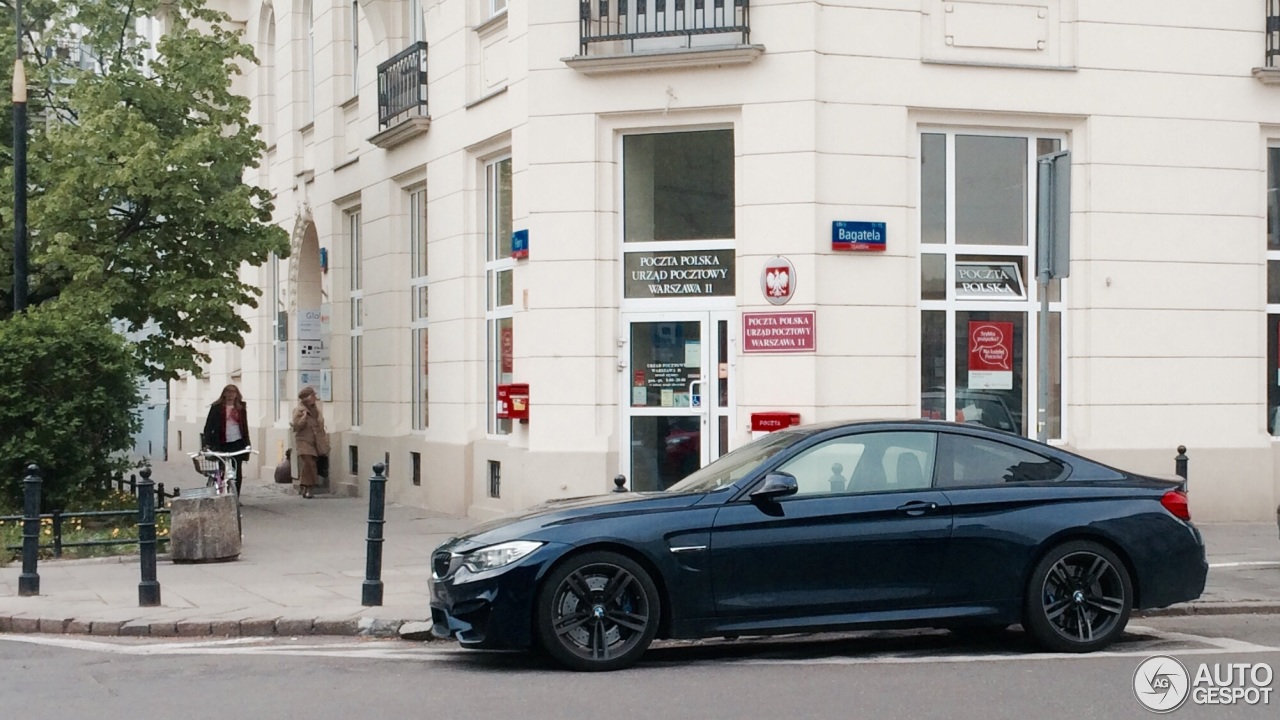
(216,454)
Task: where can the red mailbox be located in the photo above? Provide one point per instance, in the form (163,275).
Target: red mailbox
(771,421)
(513,402)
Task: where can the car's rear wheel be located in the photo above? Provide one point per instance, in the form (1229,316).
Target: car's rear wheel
(1078,598)
(597,611)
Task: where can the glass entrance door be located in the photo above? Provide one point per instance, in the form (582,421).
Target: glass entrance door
(678,398)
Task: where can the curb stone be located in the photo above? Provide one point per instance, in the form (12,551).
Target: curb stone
(373,627)
(336,627)
(1226,608)
(416,631)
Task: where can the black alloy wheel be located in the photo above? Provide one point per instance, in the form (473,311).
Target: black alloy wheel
(1078,598)
(597,611)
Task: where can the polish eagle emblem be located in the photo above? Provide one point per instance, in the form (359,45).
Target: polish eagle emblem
(779,282)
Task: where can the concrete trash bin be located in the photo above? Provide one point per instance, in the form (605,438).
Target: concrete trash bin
(203,527)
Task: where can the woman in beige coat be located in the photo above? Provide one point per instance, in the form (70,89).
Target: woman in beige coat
(309,439)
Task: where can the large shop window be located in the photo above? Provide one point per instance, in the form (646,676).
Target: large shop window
(978,293)
(678,186)
(498,288)
(419,318)
(1273,291)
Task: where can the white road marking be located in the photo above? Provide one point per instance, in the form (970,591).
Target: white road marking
(1252,563)
(398,650)
(236,646)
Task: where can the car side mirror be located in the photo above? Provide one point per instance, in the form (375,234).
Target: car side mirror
(776,485)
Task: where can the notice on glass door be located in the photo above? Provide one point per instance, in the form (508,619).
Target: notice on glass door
(990,355)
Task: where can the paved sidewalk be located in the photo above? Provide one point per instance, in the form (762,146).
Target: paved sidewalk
(301,572)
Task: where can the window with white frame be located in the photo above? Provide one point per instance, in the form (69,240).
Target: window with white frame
(978,291)
(419,315)
(417,27)
(1273,290)
(309,18)
(497,7)
(498,272)
(356,266)
(279,339)
(267,76)
(355,47)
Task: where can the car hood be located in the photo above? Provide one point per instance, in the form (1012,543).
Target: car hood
(553,513)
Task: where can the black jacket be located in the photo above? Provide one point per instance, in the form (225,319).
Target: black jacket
(215,427)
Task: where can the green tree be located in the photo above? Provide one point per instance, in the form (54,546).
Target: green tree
(139,210)
(67,396)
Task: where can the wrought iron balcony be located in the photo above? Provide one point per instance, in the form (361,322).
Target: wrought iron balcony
(402,86)
(1273,34)
(649,22)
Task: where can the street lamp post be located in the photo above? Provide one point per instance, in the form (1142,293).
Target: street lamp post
(19,172)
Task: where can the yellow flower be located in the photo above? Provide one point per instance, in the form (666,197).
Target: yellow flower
(115,532)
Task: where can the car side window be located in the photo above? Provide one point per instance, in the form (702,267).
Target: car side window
(966,461)
(864,463)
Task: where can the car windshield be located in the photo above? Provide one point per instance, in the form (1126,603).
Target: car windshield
(729,468)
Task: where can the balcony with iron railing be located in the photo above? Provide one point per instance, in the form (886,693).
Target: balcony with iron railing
(623,35)
(1269,73)
(402,97)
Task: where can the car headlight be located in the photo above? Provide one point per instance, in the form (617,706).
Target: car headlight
(492,560)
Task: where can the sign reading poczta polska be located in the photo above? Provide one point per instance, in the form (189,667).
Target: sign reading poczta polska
(1163,684)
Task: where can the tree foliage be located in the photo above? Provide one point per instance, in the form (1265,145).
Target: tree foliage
(138,209)
(68,394)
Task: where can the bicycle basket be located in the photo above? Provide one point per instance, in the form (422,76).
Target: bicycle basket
(205,465)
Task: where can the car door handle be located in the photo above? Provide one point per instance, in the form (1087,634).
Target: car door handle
(918,507)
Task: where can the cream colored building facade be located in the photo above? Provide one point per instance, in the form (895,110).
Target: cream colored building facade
(656,176)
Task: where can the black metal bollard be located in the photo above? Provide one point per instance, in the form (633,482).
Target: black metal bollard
(148,588)
(619,483)
(372,591)
(1180,466)
(29,580)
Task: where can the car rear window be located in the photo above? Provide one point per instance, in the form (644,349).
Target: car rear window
(967,461)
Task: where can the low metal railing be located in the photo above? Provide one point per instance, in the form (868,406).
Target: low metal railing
(57,526)
(632,20)
(402,86)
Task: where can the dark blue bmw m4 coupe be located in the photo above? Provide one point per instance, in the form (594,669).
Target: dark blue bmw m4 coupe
(830,527)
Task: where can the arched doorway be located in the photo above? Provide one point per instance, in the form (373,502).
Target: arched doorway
(309,313)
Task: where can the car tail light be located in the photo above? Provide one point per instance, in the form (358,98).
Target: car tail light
(1175,501)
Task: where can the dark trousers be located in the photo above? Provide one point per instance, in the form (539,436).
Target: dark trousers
(233,447)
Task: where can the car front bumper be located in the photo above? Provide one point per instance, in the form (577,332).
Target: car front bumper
(494,613)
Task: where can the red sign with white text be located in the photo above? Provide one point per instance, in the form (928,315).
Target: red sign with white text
(765,332)
(990,355)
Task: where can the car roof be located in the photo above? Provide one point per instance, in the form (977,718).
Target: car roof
(900,423)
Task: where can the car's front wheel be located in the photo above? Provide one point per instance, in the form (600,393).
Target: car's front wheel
(597,611)
(1078,598)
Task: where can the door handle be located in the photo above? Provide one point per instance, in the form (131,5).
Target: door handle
(918,507)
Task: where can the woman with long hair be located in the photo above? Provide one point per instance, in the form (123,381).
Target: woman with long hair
(226,429)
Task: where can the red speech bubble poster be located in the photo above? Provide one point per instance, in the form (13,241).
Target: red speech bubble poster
(990,355)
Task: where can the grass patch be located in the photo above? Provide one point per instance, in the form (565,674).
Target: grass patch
(77,529)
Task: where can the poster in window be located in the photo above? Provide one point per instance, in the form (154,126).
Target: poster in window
(506,343)
(990,355)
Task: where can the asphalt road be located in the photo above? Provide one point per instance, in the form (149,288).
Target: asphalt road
(914,675)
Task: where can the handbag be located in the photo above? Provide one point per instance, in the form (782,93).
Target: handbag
(322,466)
(284,471)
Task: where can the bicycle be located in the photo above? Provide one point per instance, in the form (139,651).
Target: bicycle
(220,468)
